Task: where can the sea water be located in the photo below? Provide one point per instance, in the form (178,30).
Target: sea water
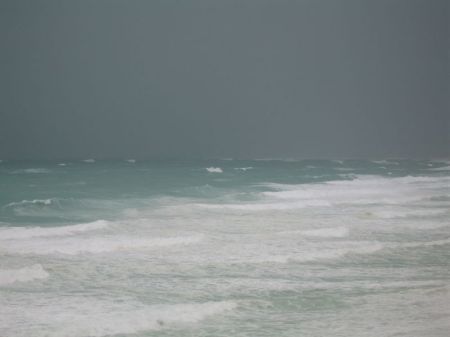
(225,248)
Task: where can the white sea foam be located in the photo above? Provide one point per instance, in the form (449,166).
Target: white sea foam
(384,162)
(41,202)
(25,274)
(15,233)
(335,232)
(387,213)
(32,171)
(132,161)
(422,244)
(214,170)
(92,245)
(344,169)
(318,255)
(266,206)
(80,317)
(244,168)
(89,160)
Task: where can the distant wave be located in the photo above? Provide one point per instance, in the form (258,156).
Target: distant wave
(89,160)
(132,161)
(360,190)
(30,232)
(445,168)
(25,274)
(214,169)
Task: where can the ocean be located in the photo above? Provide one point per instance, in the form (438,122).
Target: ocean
(225,247)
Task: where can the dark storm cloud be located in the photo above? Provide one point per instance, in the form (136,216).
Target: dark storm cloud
(225,78)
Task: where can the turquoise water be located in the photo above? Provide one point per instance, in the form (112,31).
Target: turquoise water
(225,248)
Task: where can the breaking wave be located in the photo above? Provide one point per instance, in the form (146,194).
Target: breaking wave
(91,245)
(79,317)
(30,232)
(41,202)
(326,254)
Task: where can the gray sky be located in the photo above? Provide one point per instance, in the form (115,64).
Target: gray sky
(224,78)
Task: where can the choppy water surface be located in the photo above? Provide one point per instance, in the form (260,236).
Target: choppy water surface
(225,248)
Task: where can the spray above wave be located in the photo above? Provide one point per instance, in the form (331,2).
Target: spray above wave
(25,274)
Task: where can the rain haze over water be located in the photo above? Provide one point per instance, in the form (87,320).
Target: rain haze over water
(224,168)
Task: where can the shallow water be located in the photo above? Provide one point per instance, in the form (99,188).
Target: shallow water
(225,248)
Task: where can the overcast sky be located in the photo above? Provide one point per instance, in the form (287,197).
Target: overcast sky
(224,78)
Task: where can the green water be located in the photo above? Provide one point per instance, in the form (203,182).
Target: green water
(225,248)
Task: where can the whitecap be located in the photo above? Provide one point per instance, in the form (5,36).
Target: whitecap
(132,161)
(25,274)
(89,160)
(334,232)
(244,168)
(214,170)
